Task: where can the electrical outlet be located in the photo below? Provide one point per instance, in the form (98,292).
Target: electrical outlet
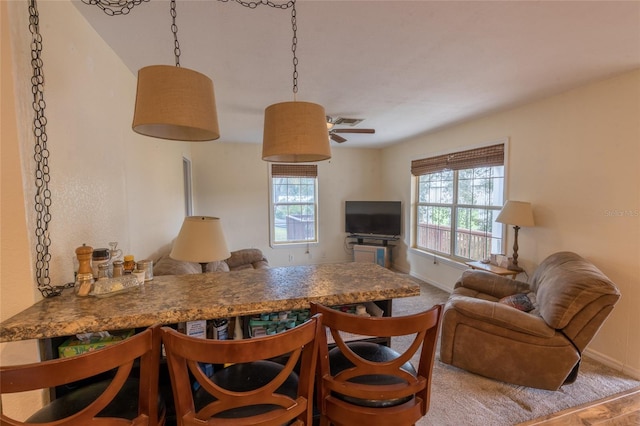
(290,258)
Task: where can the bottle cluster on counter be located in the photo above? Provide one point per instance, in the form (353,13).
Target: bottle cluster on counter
(102,271)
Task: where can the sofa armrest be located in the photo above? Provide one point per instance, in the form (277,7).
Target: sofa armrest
(476,282)
(500,315)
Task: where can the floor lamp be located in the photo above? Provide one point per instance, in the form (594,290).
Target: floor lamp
(516,213)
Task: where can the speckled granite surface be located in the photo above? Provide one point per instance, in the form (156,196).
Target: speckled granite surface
(170,299)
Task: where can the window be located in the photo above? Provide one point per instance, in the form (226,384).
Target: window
(294,191)
(458,197)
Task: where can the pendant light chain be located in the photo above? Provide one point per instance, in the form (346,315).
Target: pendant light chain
(123,7)
(174,30)
(291,4)
(294,47)
(41,157)
(115,7)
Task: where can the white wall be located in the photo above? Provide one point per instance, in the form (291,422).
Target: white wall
(110,184)
(107,183)
(576,158)
(232,182)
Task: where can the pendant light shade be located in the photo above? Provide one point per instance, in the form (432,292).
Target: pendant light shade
(295,132)
(175,103)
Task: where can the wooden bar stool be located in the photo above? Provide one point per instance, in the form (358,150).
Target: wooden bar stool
(122,400)
(253,390)
(366,383)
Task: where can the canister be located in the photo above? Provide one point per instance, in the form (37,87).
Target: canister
(118,268)
(146,265)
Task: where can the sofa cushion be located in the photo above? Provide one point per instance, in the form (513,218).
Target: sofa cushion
(565,284)
(168,266)
(519,301)
(247,258)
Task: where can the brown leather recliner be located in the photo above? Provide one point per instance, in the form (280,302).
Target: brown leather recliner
(483,333)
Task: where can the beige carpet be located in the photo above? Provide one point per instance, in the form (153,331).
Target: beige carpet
(460,398)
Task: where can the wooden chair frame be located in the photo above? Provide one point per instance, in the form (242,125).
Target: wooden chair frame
(424,325)
(184,355)
(119,356)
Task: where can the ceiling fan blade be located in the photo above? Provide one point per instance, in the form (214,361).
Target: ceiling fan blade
(337,138)
(353,130)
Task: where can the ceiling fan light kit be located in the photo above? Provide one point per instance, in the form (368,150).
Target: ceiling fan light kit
(295,132)
(175,103)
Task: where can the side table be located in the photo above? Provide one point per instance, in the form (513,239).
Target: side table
(493,269)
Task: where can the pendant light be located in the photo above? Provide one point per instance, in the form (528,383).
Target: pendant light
(295,131)
(173,102)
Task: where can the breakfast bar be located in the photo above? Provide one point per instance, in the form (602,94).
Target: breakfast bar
(176,298)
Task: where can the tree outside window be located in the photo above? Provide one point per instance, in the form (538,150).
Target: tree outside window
(456,207)
(293,204)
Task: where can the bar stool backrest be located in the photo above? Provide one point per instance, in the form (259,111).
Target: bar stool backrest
(187,355)
(119,357)
(372,383)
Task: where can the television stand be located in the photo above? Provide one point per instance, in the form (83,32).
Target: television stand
(385,242)
(375,250)
(382,240)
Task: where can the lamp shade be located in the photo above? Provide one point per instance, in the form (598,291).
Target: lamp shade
(517,213)
(200,240)
(175,103)
(295,132)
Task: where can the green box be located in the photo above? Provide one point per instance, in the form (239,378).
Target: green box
(74,346)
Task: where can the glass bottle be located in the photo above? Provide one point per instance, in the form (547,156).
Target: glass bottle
(129,264)
(103,271)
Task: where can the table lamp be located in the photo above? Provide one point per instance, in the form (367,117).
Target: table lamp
(516,213)
(200,240)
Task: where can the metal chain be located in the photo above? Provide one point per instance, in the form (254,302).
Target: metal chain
(115,7)
(294,47)
(255,4)
(294,26)
(41,157)
(174,30)
(123,7)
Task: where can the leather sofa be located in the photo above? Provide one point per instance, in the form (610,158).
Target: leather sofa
(527,334)
(251,258)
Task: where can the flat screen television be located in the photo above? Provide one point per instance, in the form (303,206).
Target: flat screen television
(373,217)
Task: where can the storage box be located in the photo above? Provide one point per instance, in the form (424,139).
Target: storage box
(74,346)
(197,329)
(274,322)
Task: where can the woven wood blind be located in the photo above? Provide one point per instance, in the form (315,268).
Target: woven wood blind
(487,156)
(294,170)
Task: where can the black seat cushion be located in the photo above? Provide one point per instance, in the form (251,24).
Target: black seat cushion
(124,405)
(371,352)
(243,378)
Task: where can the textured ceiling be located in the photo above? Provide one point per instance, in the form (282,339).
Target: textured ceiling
(406,67)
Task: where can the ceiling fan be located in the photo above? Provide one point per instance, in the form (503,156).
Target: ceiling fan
(337,121)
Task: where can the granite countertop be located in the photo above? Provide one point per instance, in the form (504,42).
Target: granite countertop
(176,298)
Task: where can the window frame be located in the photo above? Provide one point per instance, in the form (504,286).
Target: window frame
(456,205)
(314,204)
(188,187)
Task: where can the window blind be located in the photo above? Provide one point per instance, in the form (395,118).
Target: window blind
(487,156)
(294,170)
